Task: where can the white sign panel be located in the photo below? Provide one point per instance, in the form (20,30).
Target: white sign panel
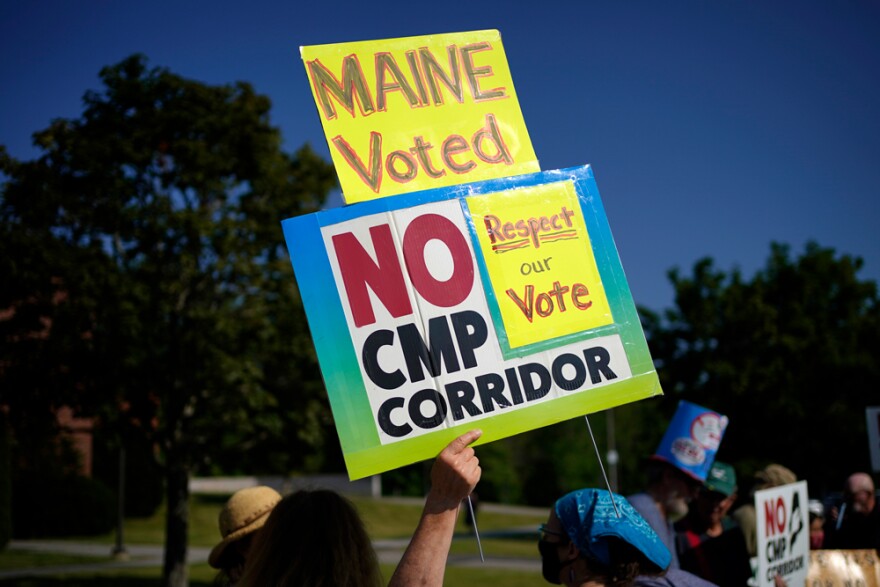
(783,534)
(395,360)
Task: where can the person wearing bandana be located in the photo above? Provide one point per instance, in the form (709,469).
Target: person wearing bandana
(594,538)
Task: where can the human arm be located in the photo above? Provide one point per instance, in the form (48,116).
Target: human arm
(454,475)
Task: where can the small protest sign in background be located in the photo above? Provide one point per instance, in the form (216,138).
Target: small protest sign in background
(783,534)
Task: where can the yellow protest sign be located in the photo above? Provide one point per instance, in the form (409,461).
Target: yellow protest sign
(408,114)
(540,262)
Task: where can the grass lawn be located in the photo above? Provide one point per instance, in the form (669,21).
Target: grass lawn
(461,577)
(21,559)
(203,530)
(386,518)
(202,576)
(199,575)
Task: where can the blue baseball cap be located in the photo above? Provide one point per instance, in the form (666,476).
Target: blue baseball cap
(590,520)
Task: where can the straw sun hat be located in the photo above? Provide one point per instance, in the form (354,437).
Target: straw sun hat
(244,513)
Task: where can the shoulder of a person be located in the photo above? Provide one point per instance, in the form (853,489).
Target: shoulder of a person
(638,500)
(744,511)
(679,578)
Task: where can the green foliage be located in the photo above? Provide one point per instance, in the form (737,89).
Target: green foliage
(145,265)
(790,356)
(639,428)
(144,482)
(533,468)
(5,483)
(54,506)
(148,255)
(499,482)
(544,464)
(411,480)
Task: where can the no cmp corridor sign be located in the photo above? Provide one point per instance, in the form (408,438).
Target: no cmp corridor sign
(783,534)
(498,304)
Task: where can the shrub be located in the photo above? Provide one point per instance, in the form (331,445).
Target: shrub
(5,483)
(144,479)
(45,505)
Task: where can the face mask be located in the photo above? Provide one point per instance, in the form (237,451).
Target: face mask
(551,566)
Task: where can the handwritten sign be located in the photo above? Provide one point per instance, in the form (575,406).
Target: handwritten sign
(783,534)
(408,114)
(540,262)
(422,333)
(843,568)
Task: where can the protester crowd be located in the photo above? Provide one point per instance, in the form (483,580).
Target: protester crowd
(681,531)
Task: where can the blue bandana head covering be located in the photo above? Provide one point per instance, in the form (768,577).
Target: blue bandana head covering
(589,519)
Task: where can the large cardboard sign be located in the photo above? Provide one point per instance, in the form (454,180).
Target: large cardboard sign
(783,534)
(499,304)
(409,114)
(873,416)
(843,568)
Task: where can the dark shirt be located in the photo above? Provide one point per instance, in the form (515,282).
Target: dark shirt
(856,531)
(722,559)
(672,578)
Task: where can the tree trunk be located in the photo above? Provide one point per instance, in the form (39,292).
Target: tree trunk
(5,482)
(175,572)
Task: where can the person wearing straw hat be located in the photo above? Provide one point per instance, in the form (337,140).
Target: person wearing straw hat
(594,538)
(317,537)
(242,515)
(312,537)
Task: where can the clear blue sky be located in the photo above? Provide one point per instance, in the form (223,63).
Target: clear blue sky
(713,127)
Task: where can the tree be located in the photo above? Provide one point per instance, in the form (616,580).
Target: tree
(790,356)
(144,247)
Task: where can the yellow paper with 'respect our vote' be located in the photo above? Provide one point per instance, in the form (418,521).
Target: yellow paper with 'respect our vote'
(408,114)
(540,262)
